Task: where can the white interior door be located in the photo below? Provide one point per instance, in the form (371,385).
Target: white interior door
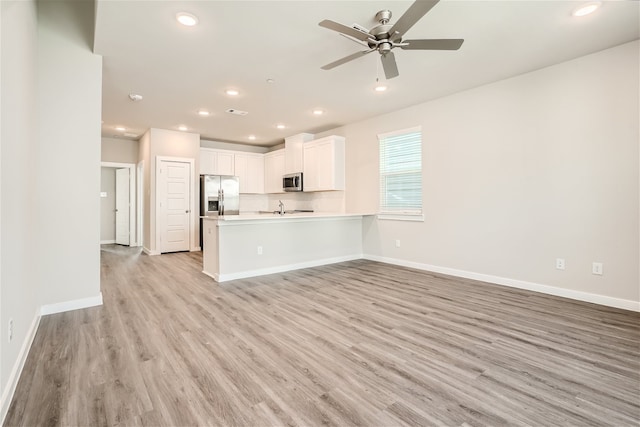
(122,206)
(175,202)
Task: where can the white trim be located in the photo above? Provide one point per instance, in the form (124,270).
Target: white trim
(401,217)
(139,201)
(133,241)
(14,376)
(196,249)
(192,195)
(400,132)
(71,305)
(107,242)
(513,283)
(149,251)
(281,268)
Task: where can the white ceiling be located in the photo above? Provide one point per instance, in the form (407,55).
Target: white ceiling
(241,44)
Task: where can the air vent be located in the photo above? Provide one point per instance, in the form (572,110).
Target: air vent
(237,112)
(130,135)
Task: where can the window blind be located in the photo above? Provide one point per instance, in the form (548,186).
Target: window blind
(401,172)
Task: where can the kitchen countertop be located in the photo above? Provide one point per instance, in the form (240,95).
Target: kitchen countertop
(269,217)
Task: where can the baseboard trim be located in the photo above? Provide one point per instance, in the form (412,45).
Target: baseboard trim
(14,376)
(282,268)
(149,251)
(107,242)
(71,305)
(513,283)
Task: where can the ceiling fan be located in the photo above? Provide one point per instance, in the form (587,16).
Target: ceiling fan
(385,37)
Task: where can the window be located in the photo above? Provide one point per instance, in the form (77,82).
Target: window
(401,174)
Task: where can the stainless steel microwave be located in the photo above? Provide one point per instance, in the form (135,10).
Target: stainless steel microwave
(292,182)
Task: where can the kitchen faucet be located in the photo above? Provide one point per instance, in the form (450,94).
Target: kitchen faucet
(281,205)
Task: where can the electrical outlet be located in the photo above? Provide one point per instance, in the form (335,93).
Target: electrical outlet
(259,250)
(10,331)
(397,243)
(560,263)
(597,268)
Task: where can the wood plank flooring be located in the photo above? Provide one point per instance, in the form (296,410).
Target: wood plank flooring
(356,343)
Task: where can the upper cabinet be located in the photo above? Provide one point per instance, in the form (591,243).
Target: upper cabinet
(293,152)
(324,164)
(216,162)
(274,164)
(249,168)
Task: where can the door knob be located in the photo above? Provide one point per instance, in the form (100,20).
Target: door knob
(186,211)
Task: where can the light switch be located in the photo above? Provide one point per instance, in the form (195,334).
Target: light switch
(103,194)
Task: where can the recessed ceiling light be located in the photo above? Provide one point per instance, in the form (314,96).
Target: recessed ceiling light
(135,97)
(586,8)
(203,113)
(121,128)
(270,81)
(231,92)
(318,112)
(182,128)
(252,137)
(186,19)
(380,88)
(280,126)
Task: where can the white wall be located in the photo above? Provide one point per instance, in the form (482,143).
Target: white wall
(18,139)
(108,205)
(519,173)
(206,143)
(68,156)
(119,150)
(166,143)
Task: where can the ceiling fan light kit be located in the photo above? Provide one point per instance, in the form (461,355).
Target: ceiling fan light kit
(385,37)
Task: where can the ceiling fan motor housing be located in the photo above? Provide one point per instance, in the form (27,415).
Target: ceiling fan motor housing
(383,16)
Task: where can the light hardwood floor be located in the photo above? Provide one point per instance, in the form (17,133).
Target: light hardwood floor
(357,343)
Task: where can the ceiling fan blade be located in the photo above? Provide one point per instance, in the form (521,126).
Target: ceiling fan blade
(336,26)
(346,59)
(433,44)
(361,43)
(389,65)
(416,11)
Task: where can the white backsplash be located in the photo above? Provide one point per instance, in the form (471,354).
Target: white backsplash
(324,201)
(252,203)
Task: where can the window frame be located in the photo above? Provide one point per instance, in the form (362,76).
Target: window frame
(407,214)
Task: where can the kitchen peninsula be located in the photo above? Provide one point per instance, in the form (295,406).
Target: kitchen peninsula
(240,246)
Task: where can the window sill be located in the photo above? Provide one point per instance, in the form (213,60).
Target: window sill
(401,217)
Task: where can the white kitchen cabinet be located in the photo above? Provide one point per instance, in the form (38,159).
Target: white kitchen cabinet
(249,168)
(294,152)
(274,164)
(216,162)
(324,164)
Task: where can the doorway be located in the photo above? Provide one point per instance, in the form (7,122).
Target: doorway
(118,204)
(175,199)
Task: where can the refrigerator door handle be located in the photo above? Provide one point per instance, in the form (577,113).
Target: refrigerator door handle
(221,210)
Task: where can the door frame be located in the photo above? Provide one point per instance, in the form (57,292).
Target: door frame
(192,202)
(133,240)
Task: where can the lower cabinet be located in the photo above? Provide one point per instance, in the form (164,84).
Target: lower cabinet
(274,171)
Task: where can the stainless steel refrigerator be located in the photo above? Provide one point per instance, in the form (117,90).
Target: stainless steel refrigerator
(219,195)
